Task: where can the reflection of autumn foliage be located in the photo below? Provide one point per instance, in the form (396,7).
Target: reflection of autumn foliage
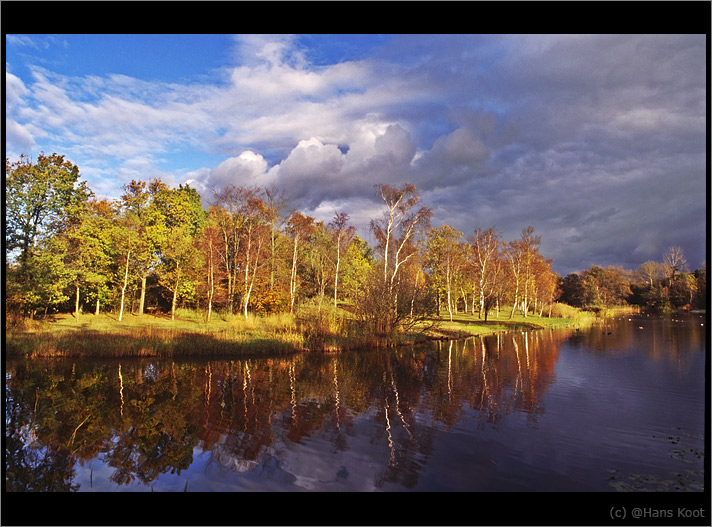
(667,339)
(145,418)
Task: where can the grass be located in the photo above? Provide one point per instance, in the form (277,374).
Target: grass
(190,334)
(468,325)
(154,335)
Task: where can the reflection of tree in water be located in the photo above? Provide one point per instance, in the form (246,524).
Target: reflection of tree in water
(144,418)
(32,466)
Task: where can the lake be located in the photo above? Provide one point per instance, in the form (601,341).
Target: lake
(617,407)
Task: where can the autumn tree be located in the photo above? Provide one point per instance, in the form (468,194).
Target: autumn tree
(300,228)
(321,256)
(545,284)
(276,203)
(513,254)
(212,274)
(343,234)
(485,262)
(650,272)
(605,287)
(255,231)
(529,247)
(403,220)
(674,262)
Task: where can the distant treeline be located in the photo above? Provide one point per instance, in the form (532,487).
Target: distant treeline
(658,287)
(156,248)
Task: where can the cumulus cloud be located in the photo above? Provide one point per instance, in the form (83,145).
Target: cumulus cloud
(598,141)
(248,169)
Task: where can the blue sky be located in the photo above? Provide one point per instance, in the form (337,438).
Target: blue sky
(597,141)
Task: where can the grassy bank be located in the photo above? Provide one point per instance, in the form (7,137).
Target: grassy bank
(468,325)
(154,335)
(190,335)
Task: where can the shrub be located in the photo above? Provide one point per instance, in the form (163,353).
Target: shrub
(559,310)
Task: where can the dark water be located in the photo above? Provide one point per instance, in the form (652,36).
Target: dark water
(618,407)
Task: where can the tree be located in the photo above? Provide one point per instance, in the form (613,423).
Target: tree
(276,205)
(700,300)
(650,272)
(125,245)
(254,228)
(513,252)
(180,259)
(529,252)
(674,262)
(300,228)
(235,216)
(358,263)
(143,203)
(88,251)
(572,290)
(343,235)
(403,220)
(208,242)
(605,287)
(42,199)
(484,259)
(445,257)
(545,284)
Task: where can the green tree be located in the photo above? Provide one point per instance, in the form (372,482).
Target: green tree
(180,259)
(322,255)
(343,234)
(358,262)
(140,203)
(88,252)
(42,198)
(445,259)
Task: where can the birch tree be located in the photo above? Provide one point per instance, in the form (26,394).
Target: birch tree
(300,229)
(403,220)
(484,256)
(445,257)
(343,235)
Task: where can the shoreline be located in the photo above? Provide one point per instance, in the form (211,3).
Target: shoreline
(64,336)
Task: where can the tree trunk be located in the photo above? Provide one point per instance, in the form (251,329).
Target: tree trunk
(514,305)
(211,281)
(336,276)
(175,296)
(293,278)
(123,289)
(173,303)
(96,313)
(142,300)
(449,302)
(76,304)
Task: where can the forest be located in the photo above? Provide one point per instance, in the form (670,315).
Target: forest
(157,250)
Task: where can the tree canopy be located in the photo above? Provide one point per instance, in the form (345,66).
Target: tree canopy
(157,249)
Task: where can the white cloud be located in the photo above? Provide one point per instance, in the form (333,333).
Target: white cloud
(495,130)
(248,169)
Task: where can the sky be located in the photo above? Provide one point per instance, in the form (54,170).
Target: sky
(597,141)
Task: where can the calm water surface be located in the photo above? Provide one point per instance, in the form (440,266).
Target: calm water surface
(618,407)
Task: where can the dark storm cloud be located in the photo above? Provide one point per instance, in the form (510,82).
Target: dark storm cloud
(597,141)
